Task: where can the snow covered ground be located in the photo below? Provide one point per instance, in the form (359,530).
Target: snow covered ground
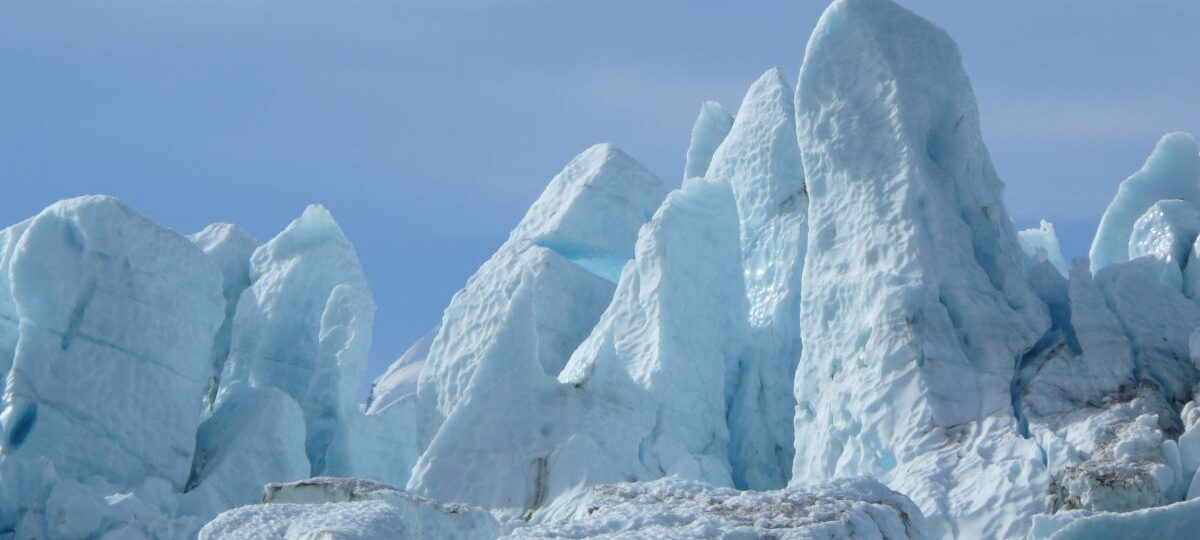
(832,329)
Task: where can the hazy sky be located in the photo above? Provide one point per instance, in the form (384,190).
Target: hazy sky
(428,128)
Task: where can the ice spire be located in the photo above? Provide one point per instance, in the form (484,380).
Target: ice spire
(304,327)
(760,159)
(572,243)
(710,129)
(915,310)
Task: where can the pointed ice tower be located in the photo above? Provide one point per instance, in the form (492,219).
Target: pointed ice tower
(710,129)
(304,327)
(915,312)
(760,159)
(641,398)
(1171,172)
(572,244)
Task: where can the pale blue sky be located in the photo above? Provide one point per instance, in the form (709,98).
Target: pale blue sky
(428,127)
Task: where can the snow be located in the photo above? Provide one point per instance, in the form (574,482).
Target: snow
(1041,244)
(672,508)
(760,159)
(109,300)
(571,243)
(915,310)
(342,509)
(1171,172)
(710,129)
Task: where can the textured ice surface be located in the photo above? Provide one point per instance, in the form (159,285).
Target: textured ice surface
(915,310)
(67,509)
(657,372)
(9,319)
(1041,244)
(304,327)
(642,396)
(350,509)
(1171,172)
(1171,522)
(1158,331)
(836,291)
(760,159)
(571,244)
(1165,234)
(672,508)
(710,129)
(400,379)
(109,302)
(229,247)
(255,437)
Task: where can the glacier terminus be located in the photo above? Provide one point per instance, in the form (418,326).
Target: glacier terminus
(831,329)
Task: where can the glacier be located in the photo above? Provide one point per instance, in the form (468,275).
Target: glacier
(831,328)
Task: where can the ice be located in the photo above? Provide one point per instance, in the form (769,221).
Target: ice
(109,302)
(304,327)
(60,508)
(642,397)
(760,159)
(833,306)
(9,319)
(672,508)
(915,309)
(1171,172)
(1159,331)
(1165,233)
(255,437)
(1041,244)
(572,244)
(400,379)
(229,247)
(711,127)
(361,510)
(654,370)
(1171,522)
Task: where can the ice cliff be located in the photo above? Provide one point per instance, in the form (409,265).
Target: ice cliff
(831,329)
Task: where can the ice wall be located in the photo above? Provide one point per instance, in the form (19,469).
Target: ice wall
(229,247)
(117,318)
(760,159)
(708,132)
